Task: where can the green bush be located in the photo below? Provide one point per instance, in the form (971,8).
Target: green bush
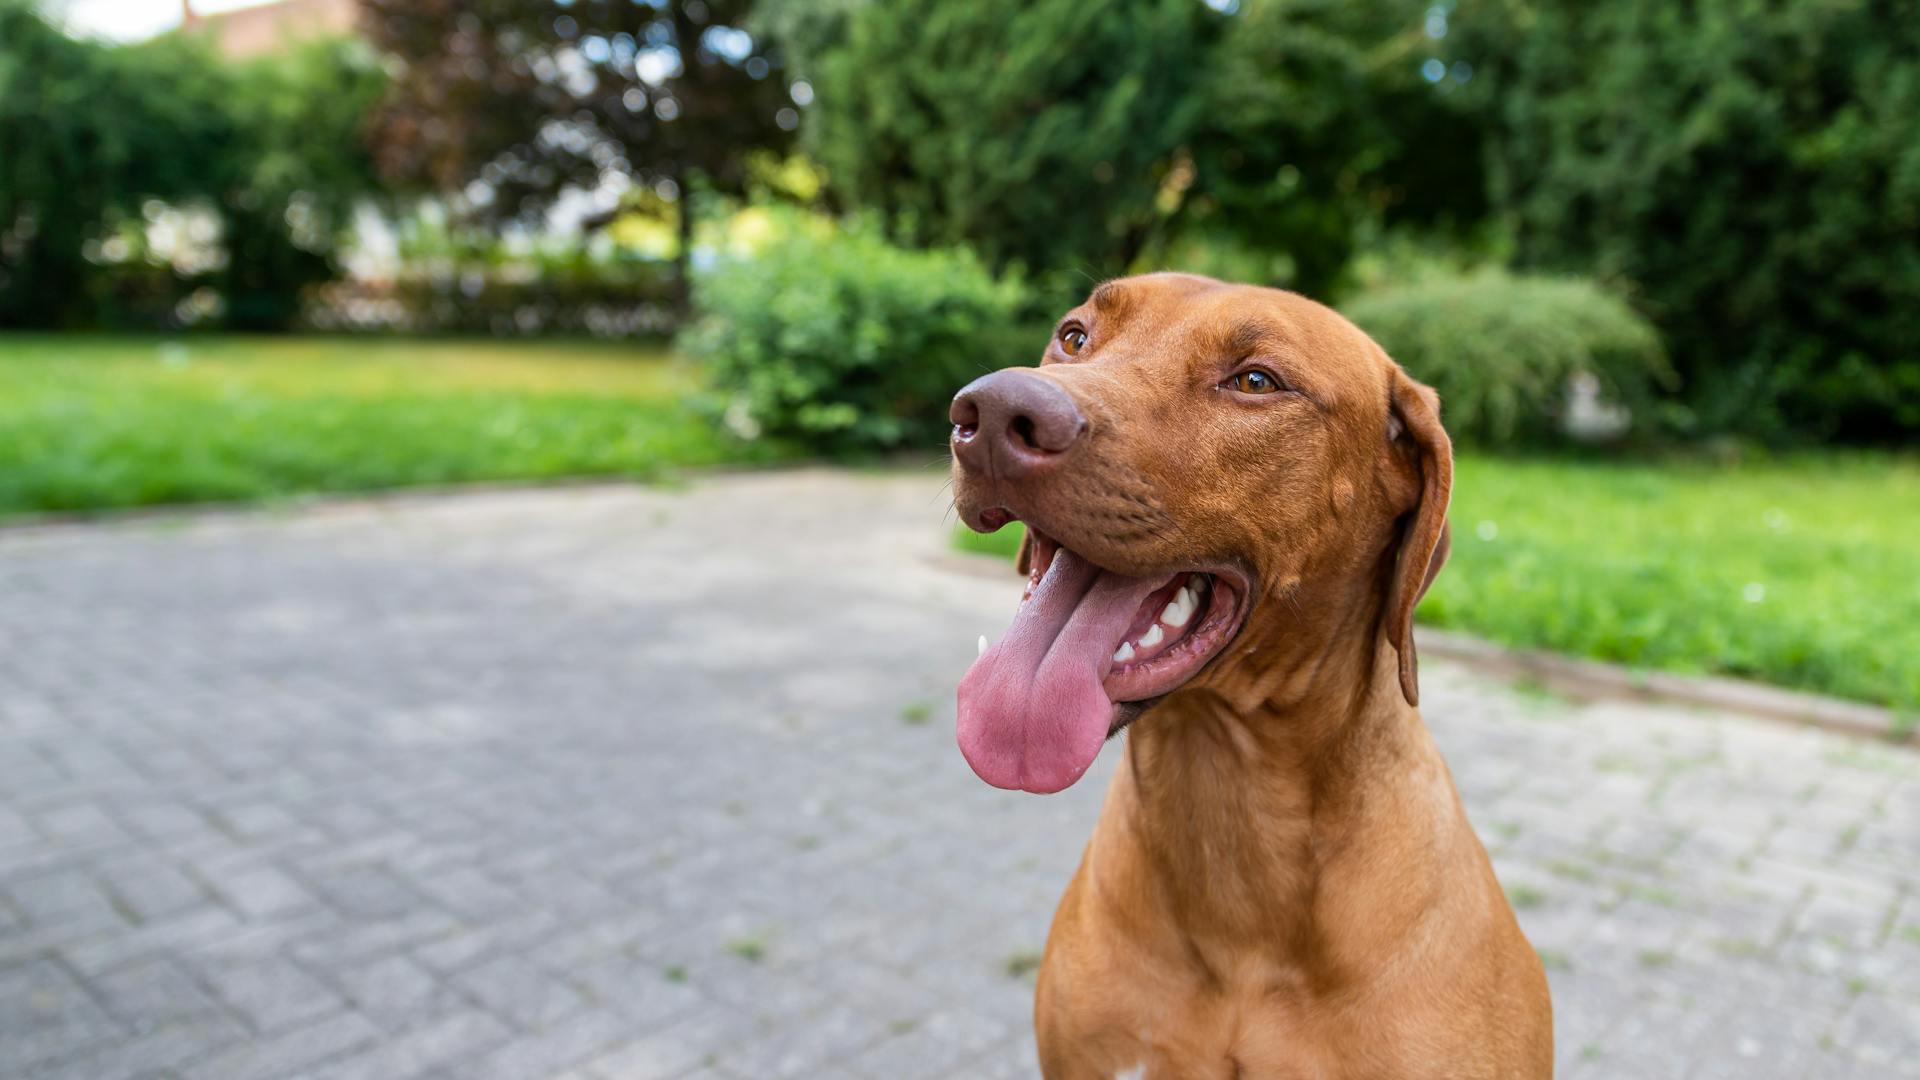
(1752,167)
(1502,350)
(98,140)
(840,339)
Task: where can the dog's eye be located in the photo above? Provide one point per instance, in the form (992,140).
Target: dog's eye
(1255,381)
(1072,340)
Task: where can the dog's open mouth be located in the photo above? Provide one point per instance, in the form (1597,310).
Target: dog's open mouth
(1086,651)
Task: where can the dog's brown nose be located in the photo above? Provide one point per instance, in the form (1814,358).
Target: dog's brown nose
(1014,421)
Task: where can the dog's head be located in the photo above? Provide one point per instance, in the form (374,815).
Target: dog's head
(1216,480)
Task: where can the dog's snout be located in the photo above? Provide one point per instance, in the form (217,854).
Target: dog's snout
(1014,420)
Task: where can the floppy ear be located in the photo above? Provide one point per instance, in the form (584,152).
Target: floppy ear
(1425,539)
(1024,561)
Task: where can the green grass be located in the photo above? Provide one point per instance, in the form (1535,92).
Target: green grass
(1803,572)
(752,948)
(93,422)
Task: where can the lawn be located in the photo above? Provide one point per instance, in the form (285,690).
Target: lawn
(1803,572)
(92,422)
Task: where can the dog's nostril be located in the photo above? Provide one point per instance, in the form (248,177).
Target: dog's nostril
(963,432)
(1022,428)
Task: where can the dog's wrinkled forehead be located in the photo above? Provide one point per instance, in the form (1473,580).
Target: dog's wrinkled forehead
(1195,324)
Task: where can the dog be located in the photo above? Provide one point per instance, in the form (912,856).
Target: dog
(1234,499)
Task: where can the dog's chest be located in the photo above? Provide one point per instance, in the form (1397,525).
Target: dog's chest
(1120,1036)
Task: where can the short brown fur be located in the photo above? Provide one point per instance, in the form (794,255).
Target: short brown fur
(1282,882)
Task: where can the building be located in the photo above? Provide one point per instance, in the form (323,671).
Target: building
(272,26)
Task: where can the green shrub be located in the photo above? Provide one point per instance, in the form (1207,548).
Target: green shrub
(844,341)
(1503,351)
(1753,168)
(96,140)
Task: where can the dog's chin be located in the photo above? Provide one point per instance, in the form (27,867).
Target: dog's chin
(1187,620)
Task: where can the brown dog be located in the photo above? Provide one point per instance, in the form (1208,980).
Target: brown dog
(1234,501)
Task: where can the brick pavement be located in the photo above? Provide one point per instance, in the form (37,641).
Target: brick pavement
(618,783)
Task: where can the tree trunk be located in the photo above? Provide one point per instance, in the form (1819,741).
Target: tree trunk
(683,249)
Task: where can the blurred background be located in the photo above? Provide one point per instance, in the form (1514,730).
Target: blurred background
(538,777)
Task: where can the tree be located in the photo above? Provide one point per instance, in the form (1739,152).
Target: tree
(1326,119)
(295,179)
(1037,131)
(91,133)
(86,131)
(1751,168)
(511,103)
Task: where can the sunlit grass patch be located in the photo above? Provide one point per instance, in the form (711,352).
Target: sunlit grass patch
(92,422)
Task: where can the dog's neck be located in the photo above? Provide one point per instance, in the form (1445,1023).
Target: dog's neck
(1246,825)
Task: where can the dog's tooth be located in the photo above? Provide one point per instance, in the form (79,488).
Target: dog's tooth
(983,646)
(1179,610)
(1152,637)
(1124,653)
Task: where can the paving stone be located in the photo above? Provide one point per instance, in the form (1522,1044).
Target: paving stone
(189,930)
(393,991)
(366,892)
(561,784)
(151,993)
(518,989)
(689,1043)
(932,1046)
(64,896)
(78,822)
(358,940)
(45,1014)
(272,993)
(570,1042)
(810,1044)
(287,1052)
(418,1050)
(158,1052)
(261,891)
(148,888)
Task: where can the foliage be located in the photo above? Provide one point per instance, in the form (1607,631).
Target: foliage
(1039,132)
(1752,167)
(510,104)
(465,282)
(1320,128)
(635,299)
(841,339)
(1799,572)
(83,134)
(95,137)
(1091,140)
(95,422)
(296,176)
(1501,350)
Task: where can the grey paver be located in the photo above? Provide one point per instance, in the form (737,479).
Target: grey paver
(288,1051)
(418,1050)
(47,1015)
(272,992)
(517,988)
(613,782)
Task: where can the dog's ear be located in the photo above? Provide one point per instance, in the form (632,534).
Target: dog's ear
(1413,425)
(1024,561)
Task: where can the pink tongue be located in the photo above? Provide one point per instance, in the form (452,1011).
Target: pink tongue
(1032,710)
